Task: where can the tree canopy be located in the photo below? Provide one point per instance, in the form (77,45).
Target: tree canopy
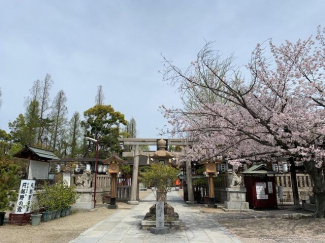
(160,176)
(103,122)
(278,113)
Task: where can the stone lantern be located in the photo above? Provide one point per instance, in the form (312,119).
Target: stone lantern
(114,168)
(161,207)
(162,155)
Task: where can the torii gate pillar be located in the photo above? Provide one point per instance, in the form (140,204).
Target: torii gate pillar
(189,182)
(134,187)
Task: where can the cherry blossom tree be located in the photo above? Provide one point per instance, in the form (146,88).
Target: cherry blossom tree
(277,113)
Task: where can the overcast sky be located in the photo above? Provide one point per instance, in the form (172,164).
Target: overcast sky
(118,44)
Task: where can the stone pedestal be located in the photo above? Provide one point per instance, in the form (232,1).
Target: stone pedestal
(133,202)
(85,201)
(190,202)
(112,204)
(236,199)
(168,213)
(160,228)
(212,202)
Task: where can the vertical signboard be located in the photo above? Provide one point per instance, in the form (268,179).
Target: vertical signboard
(25,196)
(270,187)
(260,190)
(160,219)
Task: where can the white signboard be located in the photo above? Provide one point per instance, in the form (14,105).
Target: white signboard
(25,196)
(262,196)
(260,190)
(270,187)
(67,178)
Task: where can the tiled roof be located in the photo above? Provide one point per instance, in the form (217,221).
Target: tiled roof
(42,153)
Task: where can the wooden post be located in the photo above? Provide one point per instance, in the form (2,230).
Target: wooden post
(211,186)
(112,204)
(113,185)
(212,200)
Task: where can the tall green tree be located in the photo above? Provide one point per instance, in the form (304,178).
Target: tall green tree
(131,128)
(44,99)
(100,96)
(74,133)
(63,143)
(58,115)
(18,130)
(5,139)
(32,121)
(9,182)
(103,122)
(130,131)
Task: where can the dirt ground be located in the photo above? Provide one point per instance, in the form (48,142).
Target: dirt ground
(276,230)
(60,230)
(247,230)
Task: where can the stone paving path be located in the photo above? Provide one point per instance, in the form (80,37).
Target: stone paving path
(124,226)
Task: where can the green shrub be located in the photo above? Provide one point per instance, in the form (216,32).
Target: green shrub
(126,169)
(160,176)
(57,196)
(9,183)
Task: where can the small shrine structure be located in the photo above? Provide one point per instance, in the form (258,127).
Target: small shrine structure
(261,186)
(39,162)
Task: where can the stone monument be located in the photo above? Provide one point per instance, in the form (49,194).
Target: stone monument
(83,187)
(160,228)
(236,193)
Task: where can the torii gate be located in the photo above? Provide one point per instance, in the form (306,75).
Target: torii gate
(136,142)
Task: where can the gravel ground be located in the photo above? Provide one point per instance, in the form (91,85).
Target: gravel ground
(60,230)
(248,229)
(276,230)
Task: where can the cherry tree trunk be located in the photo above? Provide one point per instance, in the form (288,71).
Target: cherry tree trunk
(317,177)
(294,184)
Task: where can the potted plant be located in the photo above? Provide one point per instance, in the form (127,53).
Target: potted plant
(49,201)
(9,183)
(59,197)
(36,215)
(43,202)
(69,196)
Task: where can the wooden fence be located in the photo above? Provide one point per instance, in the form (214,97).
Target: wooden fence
(305,186)
(123,193)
